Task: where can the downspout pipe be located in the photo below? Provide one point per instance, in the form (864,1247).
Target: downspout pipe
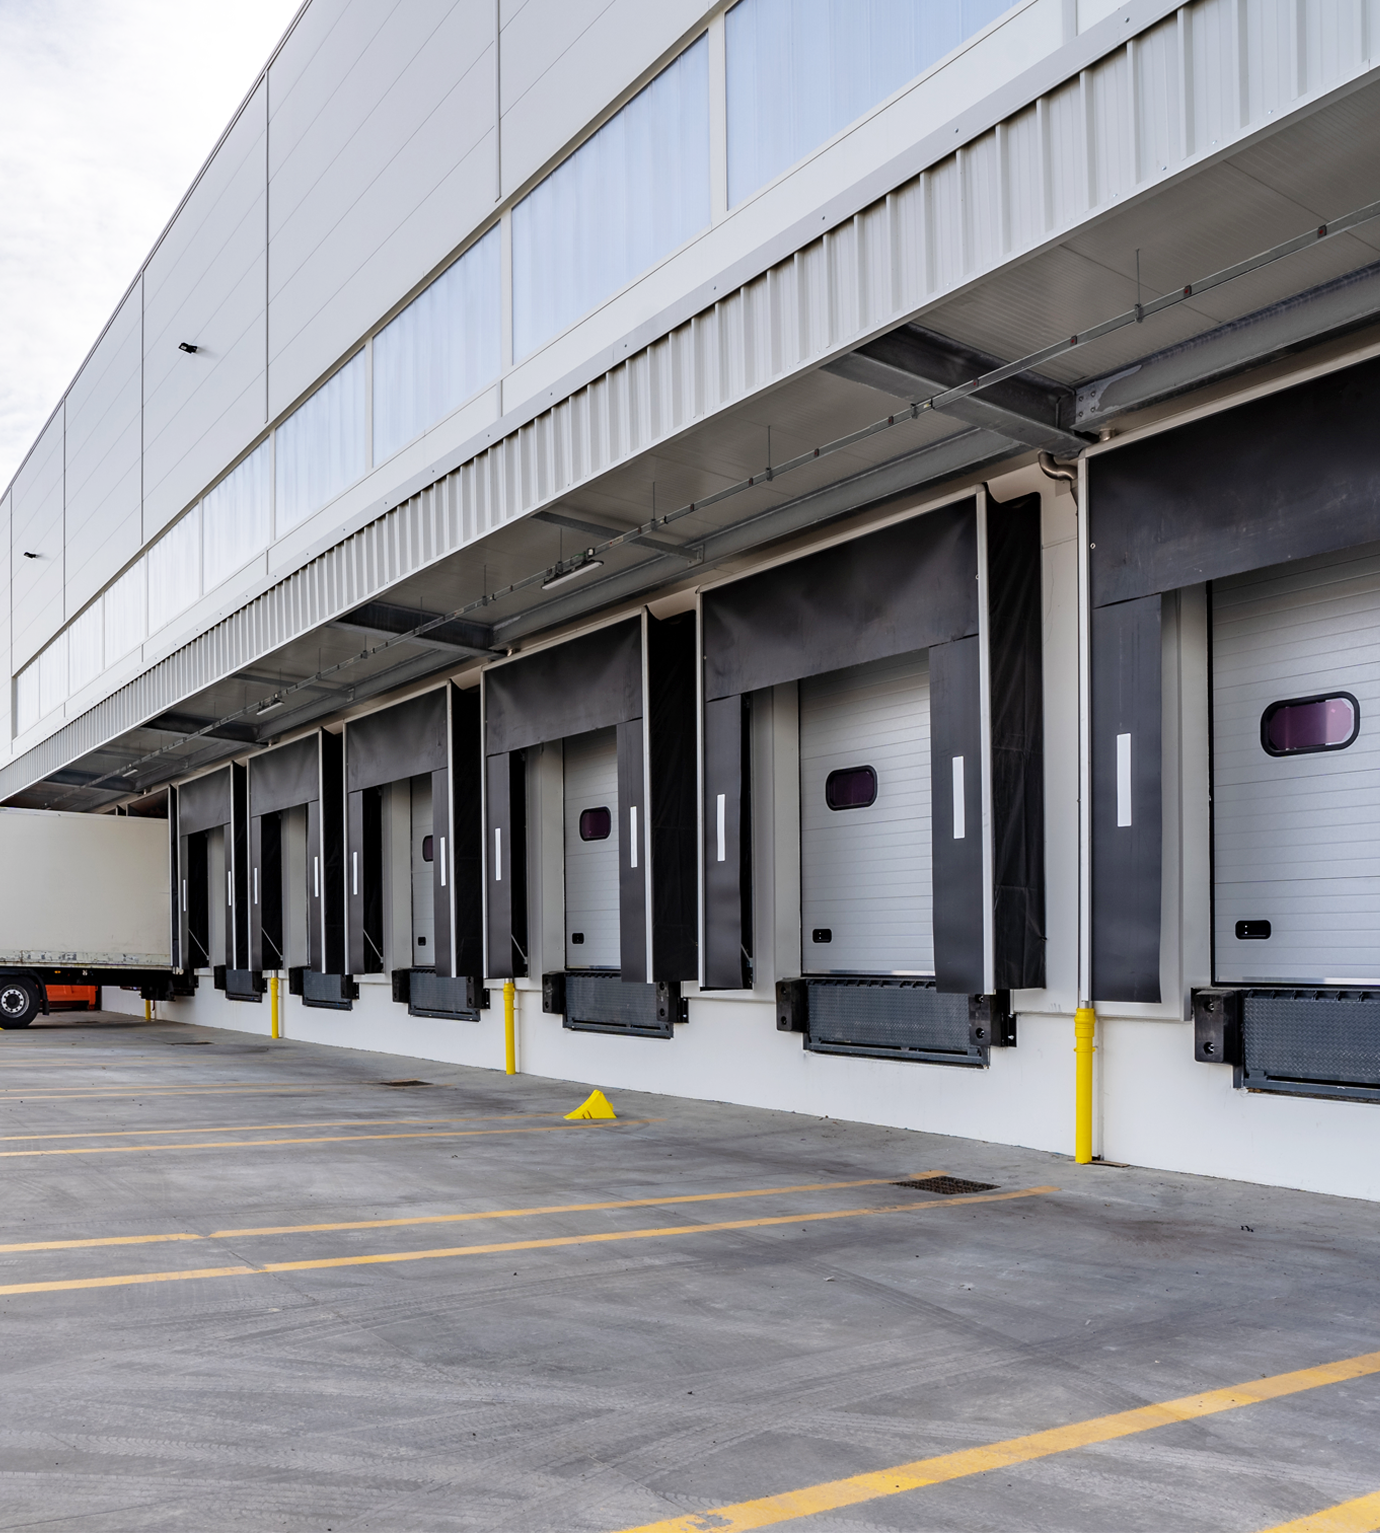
(1084,1017)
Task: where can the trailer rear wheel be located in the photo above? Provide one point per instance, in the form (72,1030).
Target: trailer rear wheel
(19,1002)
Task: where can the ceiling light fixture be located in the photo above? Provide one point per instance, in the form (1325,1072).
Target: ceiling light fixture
(269,706)
(564,572)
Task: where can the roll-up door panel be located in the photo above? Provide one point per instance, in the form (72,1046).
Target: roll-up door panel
(1297,825)
(424,851)
(866,898)
(593,830)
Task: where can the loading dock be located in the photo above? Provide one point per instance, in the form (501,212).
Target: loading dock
(921,830)
(1284,559)
(296,903)
(601,729)
(411,855)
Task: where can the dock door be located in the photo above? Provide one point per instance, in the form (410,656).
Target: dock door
(1296,753)
(592,833)
(866,895)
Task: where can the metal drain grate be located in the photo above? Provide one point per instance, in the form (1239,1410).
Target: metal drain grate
(946,1186)
(404,1083)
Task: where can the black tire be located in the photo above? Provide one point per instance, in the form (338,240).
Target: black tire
(20,1002)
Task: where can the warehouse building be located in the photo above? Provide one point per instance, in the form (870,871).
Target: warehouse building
(826,544)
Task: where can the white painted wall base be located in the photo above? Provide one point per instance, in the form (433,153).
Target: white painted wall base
(1157,1107)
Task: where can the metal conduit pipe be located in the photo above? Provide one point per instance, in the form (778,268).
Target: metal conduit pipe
(1084,1017)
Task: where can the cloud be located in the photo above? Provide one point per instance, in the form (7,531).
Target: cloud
(108,108)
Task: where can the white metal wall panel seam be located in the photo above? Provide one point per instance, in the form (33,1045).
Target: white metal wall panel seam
(36,584)
(103,528)
(205,286)
(381,166)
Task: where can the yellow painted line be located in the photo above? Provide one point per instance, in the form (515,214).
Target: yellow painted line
(386,1257)
(1359,1516)
(497,1213)
(242,1144)
(249,1128)
(100,1240)
(113,1093)
(554,1208)
(833,1495)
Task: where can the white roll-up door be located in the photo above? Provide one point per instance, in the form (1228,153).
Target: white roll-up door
(866,900)
(424,851)
(591,850)
(1296,800)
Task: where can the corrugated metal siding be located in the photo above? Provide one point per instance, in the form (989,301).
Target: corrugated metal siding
(1200,78)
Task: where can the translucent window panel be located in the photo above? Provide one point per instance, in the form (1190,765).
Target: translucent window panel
(319,448)
(125,614)
(26,697)
(799,70)
(1305,724)
(86,647)
(52,676)
(236,518)
(174,564)
(627,196)
(443,347)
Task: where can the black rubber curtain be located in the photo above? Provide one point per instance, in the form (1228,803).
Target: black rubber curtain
(1276,479)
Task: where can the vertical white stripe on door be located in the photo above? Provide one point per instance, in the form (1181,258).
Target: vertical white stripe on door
(960,813)
(1123,781)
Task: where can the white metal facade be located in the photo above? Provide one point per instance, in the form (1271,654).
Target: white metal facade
(591,866)
(865,872)
(1297,837)
(1061,114)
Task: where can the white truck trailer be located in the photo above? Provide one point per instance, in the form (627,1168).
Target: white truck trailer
(87,901)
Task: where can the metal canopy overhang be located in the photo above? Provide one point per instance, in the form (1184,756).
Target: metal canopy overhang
(749,476)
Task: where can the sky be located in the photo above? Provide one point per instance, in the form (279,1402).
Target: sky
(108,108)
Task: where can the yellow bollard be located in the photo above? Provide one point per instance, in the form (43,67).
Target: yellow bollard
(1084,1024)
(148,1011)
(273,1005)
(509,1028)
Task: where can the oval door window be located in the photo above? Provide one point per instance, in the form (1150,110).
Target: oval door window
(1300,725)
(851,788)
(595,825)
